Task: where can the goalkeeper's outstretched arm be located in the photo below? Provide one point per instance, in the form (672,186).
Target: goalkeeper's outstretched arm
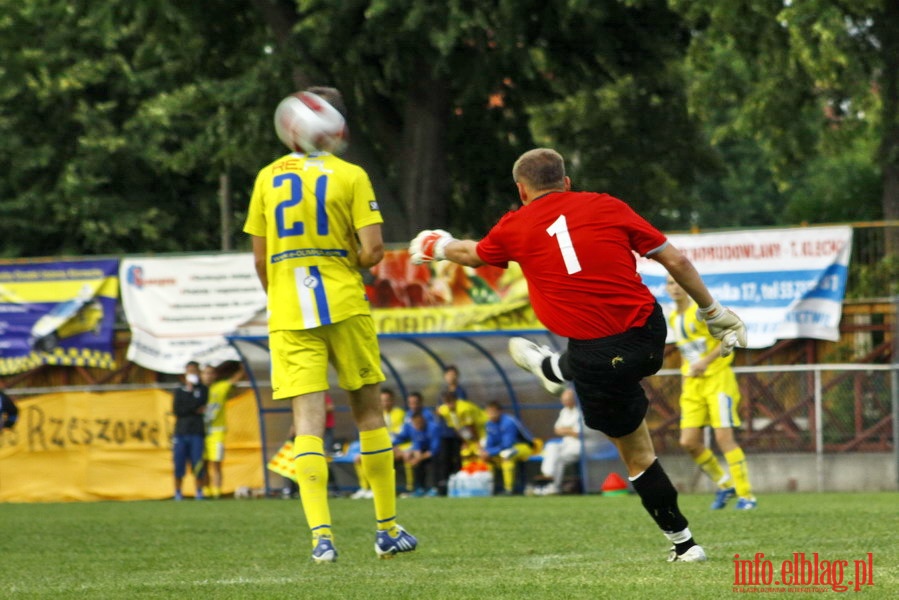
(463,252)
(437,244)
(684,273)
(723,324)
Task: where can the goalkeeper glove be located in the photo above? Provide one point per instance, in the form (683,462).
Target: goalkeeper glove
(724,325)
(429,245)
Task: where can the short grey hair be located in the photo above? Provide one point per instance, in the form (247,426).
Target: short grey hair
(540,169)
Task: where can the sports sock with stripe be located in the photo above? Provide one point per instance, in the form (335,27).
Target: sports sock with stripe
(377,462)
(312,477)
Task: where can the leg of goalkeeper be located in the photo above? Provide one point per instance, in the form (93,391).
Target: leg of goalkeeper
(657,493)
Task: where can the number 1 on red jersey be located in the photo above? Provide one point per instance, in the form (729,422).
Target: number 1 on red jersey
(559,230)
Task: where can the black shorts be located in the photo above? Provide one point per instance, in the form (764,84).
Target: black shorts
(607,373)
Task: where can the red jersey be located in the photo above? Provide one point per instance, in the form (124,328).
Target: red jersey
(576,252)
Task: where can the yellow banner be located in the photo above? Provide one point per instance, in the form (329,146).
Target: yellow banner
(487,317)
(113,446)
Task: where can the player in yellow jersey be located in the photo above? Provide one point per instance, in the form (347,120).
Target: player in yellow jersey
(469,424)
(709,397)
(315,223)
(220,381)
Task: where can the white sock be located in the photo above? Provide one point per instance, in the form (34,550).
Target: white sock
(679,537)
(554,365)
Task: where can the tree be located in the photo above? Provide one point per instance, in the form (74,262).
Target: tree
(813,83)
(448,94)
(118,120)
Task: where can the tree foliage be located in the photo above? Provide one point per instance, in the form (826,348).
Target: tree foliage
(117,120)
(803,93)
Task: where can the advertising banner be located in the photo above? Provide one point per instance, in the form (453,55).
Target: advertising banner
(58,313)
(79,446)
(783,283)
(443,297)
(180,308)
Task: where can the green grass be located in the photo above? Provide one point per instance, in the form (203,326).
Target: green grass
(554,547)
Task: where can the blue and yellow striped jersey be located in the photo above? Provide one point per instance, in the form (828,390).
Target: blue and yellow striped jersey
(309,207)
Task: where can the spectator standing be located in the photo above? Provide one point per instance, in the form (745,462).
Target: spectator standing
(451,383)
(9,412)
(189,404)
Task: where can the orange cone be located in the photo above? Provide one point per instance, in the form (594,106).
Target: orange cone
(614,485)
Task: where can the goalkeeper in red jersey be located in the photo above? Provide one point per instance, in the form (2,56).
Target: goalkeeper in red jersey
(576,250)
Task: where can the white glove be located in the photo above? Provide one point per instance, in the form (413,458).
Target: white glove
(429,245)
(724,325)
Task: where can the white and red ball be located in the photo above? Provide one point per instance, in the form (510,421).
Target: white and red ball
(306,122)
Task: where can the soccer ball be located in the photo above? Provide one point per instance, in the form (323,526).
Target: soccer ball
(305,122)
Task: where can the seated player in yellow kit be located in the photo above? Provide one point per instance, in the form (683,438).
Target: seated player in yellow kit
(710,397)
(315,223)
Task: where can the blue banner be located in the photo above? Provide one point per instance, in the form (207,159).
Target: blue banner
(784,283)
(59,313)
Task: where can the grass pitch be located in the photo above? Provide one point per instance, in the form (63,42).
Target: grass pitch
(555,547)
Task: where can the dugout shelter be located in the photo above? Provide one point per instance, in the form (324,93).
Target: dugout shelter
(415,362)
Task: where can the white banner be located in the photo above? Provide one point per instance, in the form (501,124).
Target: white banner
(179,309)
(783,283)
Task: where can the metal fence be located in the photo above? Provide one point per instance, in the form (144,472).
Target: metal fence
(820,409)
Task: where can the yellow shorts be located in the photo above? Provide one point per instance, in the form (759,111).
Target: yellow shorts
(521,452)
(300,358)
(710,400)
(215,446)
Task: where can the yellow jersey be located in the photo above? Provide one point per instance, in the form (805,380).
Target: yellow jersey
(694,341)
(467,414)
(308,208)
(394,419)
(215,408)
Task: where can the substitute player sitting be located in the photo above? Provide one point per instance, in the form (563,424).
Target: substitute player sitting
(507,444)
(709,397)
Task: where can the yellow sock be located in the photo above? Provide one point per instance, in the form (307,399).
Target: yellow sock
(410,477)
(360,474)
(312,477)
(711,467)
(377,461)
(736,461)
(508,467)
